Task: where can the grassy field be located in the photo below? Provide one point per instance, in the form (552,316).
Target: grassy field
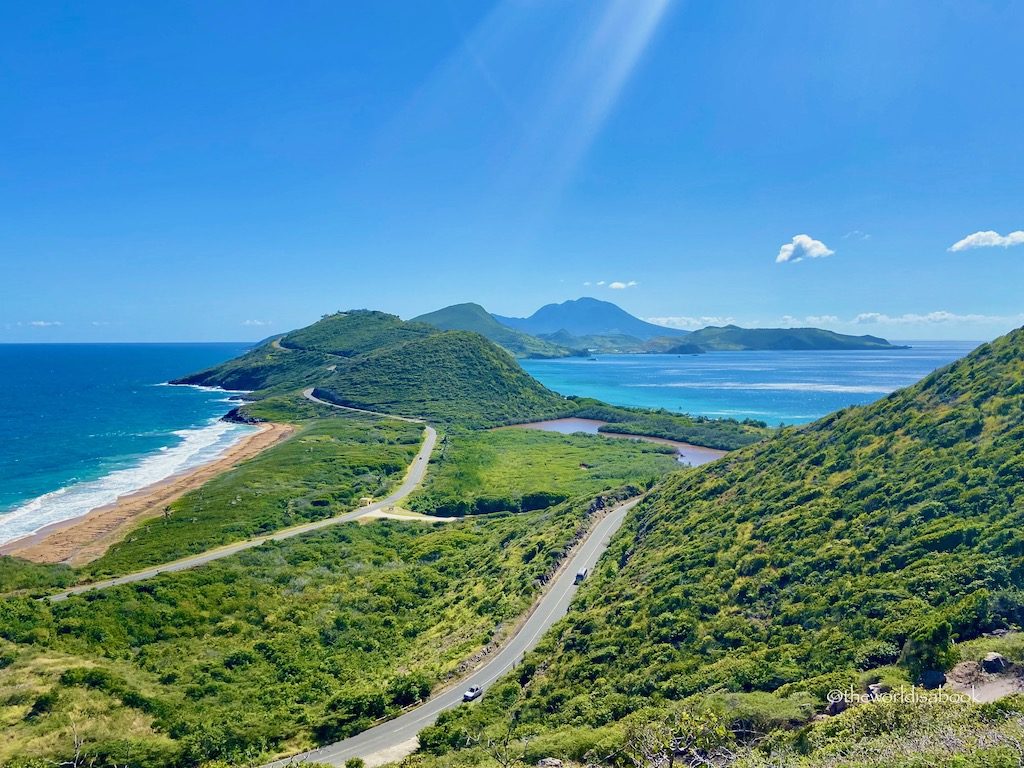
(320,472)
(521,469)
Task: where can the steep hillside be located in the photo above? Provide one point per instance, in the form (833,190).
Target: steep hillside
(452,376)
(473,317)
(731,337)
(873,537)
(378,362)
(587,317)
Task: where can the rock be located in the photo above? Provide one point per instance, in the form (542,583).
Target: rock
(836,707)
(933,678)
(235,416)
(549,762)
(877,689)
(994,663)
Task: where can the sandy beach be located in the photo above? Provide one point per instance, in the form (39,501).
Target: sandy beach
(86,538)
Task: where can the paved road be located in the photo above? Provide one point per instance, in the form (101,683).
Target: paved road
(553,605)
(413,477)
(308,394)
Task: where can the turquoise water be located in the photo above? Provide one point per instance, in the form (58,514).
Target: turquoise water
(85,423)
(788,387)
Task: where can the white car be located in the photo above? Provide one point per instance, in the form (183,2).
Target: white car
(474,692)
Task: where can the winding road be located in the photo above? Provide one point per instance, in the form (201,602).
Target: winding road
(395,738)
(413,477)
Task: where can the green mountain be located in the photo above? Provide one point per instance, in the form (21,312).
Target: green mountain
(587,317)
(473,317)
(376,361)
(731,338)
(855,549)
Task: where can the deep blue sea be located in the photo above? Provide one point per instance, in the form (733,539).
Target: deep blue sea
(82,424)
(776,387)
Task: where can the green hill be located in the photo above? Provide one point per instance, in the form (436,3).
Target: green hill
(376,361)
(731,337)
(451,376)
(473,317)
(854,549)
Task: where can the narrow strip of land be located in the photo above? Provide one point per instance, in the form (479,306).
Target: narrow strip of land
(83,539)
(396,738)
(413,477)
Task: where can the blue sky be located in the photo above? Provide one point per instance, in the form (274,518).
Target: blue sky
(198,171)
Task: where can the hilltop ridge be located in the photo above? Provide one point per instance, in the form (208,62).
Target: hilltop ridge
(473,317)
(377,361)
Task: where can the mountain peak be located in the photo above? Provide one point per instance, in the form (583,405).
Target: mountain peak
(587,316)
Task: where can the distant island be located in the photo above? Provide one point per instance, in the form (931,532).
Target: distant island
(590,326)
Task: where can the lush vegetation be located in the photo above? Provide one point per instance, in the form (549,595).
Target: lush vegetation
(376,361)
(451,377)
(731,337)
(520,470)
(744,731)
(473,317)
(278,648)
(320,472)
(854,550)
(726,434)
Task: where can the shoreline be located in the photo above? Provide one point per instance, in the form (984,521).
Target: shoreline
(79,540)
(686,453)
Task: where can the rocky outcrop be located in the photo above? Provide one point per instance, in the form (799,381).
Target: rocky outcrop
(238,416)
(994,663)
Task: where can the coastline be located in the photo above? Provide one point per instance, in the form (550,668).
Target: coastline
(686,453)
(80,540)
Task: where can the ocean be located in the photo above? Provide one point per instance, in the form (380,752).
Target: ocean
(82,424)
(775,387)
(85,423)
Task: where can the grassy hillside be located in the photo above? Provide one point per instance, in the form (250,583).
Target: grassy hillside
(450,376)
(350,334)
(473,317)
(282,647)
(521,469)
(731,337)
(376,361)
(855,549)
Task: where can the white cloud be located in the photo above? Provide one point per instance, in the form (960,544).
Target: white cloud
(42,323)
(618,285)
(856,234)
(802,247)
(586,283)
(258,323)
(690,323)
(988,239)
(600,282)
(930,318)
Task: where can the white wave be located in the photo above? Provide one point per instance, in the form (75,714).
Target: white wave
(204,388)
(197,446)
(794,386)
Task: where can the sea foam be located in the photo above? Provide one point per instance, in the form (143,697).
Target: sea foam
(194,447)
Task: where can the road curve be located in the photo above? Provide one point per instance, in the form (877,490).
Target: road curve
(553,605)
(413,477)
(308,394)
